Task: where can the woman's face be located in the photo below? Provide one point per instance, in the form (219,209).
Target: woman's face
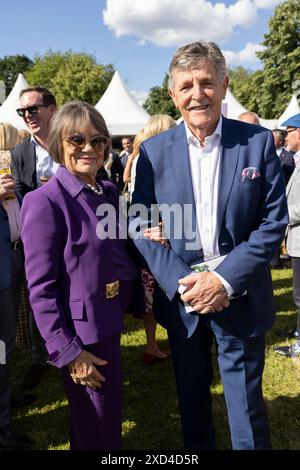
(83,152)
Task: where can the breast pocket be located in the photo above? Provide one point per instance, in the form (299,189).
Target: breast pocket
(77,309)
(249,190)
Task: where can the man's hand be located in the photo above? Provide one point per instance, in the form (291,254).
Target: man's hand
(7,186)
(84,372)
(204,292)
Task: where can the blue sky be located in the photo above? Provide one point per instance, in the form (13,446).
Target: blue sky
(138,37)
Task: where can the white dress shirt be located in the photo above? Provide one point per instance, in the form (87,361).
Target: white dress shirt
(205,168)
(296,157)
(45,166)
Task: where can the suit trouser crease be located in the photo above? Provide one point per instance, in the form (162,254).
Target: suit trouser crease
(241,365)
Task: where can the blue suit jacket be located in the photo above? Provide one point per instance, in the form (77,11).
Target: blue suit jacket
(252,217)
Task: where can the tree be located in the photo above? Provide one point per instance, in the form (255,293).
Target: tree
(281,59)
(10,67)
(71,76)
(159,101)
(46,67)
(81,78)
(246,87)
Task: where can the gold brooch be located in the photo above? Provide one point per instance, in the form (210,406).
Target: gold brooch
(112,289)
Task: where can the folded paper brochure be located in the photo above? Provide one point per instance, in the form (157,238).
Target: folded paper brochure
(209,265)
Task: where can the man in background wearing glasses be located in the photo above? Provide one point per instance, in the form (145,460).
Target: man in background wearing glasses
(32,166)
(31,161)
(293,229)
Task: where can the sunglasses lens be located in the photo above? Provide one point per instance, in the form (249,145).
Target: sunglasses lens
(32,109)
(77,141)
(99,143)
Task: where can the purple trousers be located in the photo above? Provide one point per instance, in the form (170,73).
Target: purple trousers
(96,415)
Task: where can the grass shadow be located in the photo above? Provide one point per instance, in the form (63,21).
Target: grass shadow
(284,422)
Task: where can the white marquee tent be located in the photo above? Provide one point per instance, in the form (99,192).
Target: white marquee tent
(9,106)
(122,113)
(231,108)
(292,109)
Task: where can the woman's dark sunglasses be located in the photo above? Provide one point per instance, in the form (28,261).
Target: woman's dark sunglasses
(31,109)
(78,142)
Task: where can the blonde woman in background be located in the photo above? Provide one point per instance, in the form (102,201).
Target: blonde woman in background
(130,168)
(11,269)
(156,124)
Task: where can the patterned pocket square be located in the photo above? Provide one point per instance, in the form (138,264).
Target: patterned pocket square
(250,173)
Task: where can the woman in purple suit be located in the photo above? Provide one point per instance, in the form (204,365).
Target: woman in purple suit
(80,280)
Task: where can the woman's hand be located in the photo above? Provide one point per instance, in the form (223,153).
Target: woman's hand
(7,186)
(84,372)
(157,234)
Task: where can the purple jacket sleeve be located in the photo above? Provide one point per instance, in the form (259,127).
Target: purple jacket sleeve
(42,235)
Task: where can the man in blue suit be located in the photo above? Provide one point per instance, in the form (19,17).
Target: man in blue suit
(221,179)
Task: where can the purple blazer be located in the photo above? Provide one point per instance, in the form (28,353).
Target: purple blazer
(68,267)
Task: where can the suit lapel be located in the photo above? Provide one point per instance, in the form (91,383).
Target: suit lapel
(29,158)
(182,186)
(31,162)
(228,164)
(180,166)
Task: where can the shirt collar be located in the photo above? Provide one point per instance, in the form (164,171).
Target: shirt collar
(70,182)
(191,139)
(37,145)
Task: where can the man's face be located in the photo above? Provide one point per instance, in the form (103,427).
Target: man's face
(293,139)
(127,145)
(38,124)
(198,94)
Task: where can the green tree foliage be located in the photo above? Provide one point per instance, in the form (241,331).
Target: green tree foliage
(246,87)
(71,76)
(281,59)
(10,67)
(46,67)
(159,101)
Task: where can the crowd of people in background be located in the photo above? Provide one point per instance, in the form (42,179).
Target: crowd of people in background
(234,174)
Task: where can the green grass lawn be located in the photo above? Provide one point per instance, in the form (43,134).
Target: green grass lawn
(151,418)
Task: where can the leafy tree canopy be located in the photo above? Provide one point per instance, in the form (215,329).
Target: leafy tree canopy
(159,101)
(10,67)
(71,76)
(281,59)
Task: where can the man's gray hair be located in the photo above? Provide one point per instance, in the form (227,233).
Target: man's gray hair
(192,56)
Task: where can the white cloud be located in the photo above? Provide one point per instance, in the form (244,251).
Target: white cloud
(266,3)
(140,96)
(245,56)
(175,22)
